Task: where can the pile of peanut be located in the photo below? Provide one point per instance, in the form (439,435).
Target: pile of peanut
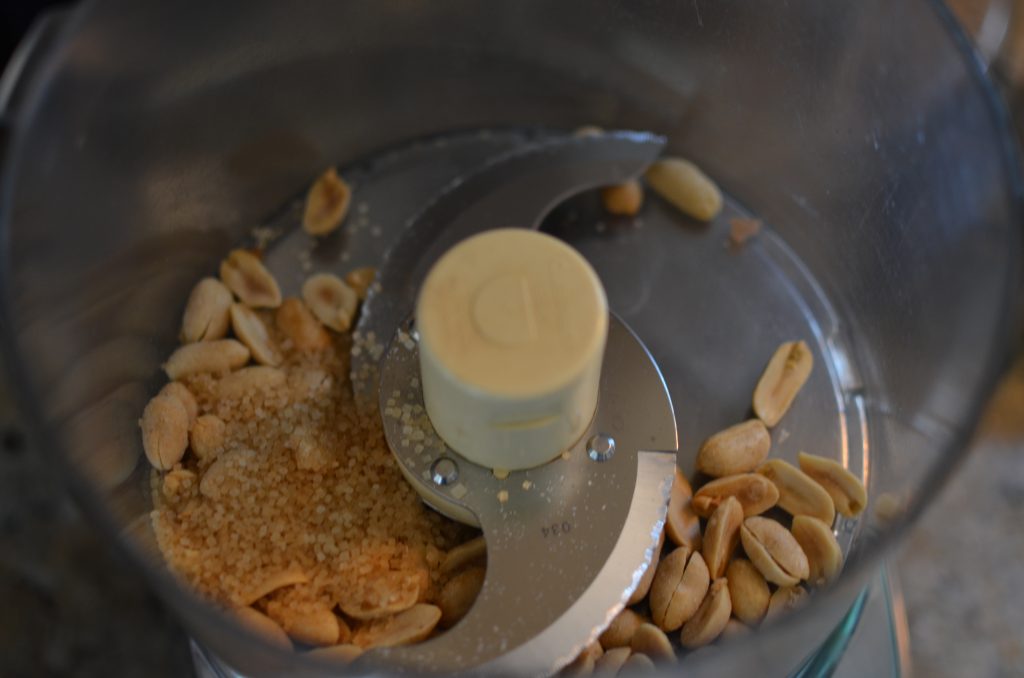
(274,496)
(742,568)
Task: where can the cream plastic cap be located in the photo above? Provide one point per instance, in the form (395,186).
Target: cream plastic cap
(512,327)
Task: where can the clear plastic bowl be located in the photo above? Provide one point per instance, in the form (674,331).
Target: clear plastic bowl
(141,140)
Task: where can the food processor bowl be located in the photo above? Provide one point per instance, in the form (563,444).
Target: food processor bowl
(142,140)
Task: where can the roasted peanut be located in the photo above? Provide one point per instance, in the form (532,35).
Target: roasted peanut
(824,557)
(799,495)
(263,626)
(623,199)
(737,449)
(360,279)
(177,483)
(249,380)
(652,641)
(734,628)
(300,325)
(585,661)
(220,355)
(785,375)
(774,551)
(667,577)
(847,491)
(410,626)
(270,582)
(206,311)
(742,229)
(404,592)
(312,627)
(332,301)
(207,436)
(178,390)
(222,473)
(710,619)
(620,632)
(344,654)
(459,594)
(785,599)
(645,581)
(721,536)
(681,524)
(612,661)
(469,553)
(637,664)
(755,493)
(677,591)
(246,276)
(326,203)
(685,186)
(164,431)
(251,331)
(748,591)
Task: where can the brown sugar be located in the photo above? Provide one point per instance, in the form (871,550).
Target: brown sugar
(302,490)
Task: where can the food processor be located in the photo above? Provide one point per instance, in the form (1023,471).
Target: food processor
(142,142)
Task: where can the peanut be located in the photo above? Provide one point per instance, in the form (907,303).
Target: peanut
(178,390)
(222,473)
(748,591)
(734,628)
(774,551)
(652,641)
(612,661)
(637,664)
(648,576)
(219,355)
(710,619)
(667,577)
(685,186)
(312,627)
(799,494)
(785,599)
(459,594)
(177,483)
(847,491)
(327,203)
(332,301)
(404,592)
(681,524)
(207,436)
(410,626)
(623,199)
(470,552)
(248,380)
(737,449)
(585,661)
(824,557)
(263,626)
(271,582)
(206,311)
(360,280)
(246,276)
(620,632)
(300,325)
(755,493)
(721,536)
(785,375)
(164,431)
(251,331)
